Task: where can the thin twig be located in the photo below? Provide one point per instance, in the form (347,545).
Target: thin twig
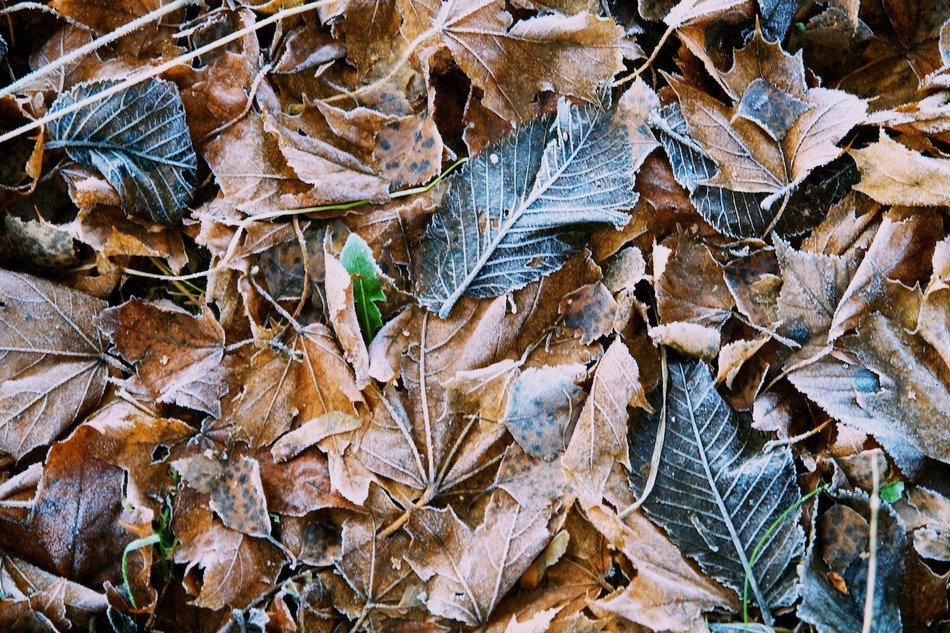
(639,71)
(95,44)
(872,547)
(657,446)
(773,444)
(161,68)
(23,505)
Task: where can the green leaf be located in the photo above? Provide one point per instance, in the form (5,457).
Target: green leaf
(892,492)
(357,259)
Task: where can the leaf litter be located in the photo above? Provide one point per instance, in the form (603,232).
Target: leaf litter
(567,315)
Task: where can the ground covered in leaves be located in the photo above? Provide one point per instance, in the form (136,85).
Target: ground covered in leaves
(537,315)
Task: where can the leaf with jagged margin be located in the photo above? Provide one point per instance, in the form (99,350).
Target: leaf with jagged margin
(137,139)
(51,360)
(716,493)
(469,571)
(357,258)
(887,382)
(740,214)
(841,555)
(517,211)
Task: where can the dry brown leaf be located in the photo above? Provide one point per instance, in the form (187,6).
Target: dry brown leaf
(511,62)
(177,356)
(287,384)
(52,370)
(468,572)
(600,437)
(234,568)
(893,174)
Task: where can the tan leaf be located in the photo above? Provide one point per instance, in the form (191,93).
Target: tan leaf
(285,385)
(346,325)
(698,341)
(177,356)
(468,572)
(511,61)
(234,568)
(600,437)
(666,593)
(893,174)
(52,368)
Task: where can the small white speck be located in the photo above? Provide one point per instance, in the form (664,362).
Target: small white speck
(493,157)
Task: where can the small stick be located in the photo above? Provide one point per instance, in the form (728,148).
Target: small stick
(161,68)
(94,45)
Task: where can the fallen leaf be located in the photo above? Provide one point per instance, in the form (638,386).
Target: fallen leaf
(53,370)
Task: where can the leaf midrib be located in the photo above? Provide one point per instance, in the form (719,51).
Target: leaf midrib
(536,192)
(726,517)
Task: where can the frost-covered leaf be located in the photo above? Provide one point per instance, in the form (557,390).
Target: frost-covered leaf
(716,493)
(835,570)
(137,139)
(891,384)
(469,571)
(517,211)
(543,404)
(737,213)
(51,360)
(893,174)
(177,355)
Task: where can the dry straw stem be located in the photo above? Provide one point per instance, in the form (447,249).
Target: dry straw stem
(95,45)
(158,70)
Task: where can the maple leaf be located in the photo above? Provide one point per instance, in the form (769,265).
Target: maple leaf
(53,366)
(768,143)
(177,356)
(512,61)
(468,572)
(286,384)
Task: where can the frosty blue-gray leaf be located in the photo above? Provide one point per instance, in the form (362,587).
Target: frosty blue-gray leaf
(717,493)
(137,139)
(517,211)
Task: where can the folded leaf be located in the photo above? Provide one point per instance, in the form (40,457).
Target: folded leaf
(516,212)
(716,493)
(137,139)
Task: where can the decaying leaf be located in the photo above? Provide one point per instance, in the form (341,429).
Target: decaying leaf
(380,360)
